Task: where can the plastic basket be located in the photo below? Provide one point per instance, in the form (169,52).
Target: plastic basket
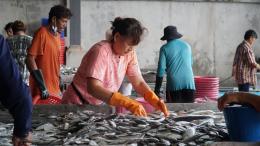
(52,99)
(243,123)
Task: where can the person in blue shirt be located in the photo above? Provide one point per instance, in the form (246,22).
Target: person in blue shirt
(15,96)
(176,61)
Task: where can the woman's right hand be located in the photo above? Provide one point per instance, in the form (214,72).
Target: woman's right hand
(135,107)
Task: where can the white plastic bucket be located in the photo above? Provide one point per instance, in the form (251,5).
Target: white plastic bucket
(126,88)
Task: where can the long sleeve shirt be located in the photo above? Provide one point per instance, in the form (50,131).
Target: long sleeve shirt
(244,65)
(14,93)
(176,59)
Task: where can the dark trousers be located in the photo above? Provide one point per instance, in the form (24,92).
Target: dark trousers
(243,87)
(180,96)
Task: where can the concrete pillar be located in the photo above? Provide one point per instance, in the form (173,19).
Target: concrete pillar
(75,21)
(74,35)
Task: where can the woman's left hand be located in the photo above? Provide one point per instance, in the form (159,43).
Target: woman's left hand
(156,102)
(162,106)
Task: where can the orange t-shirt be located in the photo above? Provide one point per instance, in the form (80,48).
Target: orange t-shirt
(45,46)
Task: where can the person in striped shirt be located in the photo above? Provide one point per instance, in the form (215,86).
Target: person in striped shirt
(244,65)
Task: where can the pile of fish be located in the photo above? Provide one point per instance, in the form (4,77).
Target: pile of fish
(6,131)
(66,70)
(89,128)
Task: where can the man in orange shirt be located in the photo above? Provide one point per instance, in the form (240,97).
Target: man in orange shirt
(43,55)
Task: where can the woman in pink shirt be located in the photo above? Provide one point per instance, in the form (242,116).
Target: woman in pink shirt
(103,68)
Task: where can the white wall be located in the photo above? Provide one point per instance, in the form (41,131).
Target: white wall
(28,11)
(213,29)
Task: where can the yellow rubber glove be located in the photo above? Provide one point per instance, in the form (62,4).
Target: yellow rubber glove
(157,103)
(133,106)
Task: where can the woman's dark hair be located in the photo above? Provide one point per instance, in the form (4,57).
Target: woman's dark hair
(128,27)
(8,26)
(59,12)
(250,33)
(18,26)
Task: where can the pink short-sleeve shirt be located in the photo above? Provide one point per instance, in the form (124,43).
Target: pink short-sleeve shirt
(103,64)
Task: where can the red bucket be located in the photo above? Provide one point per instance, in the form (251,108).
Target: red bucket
(62,51)
(52,99)
(206,87)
